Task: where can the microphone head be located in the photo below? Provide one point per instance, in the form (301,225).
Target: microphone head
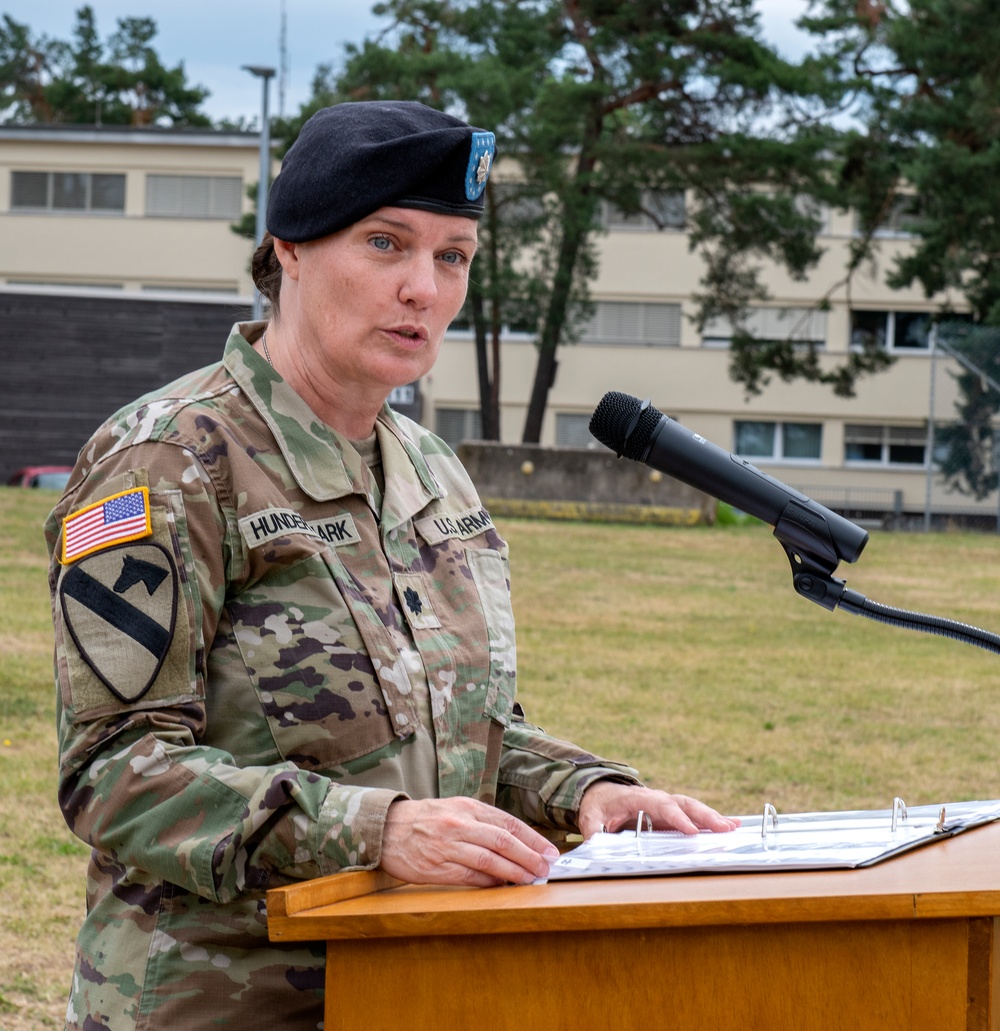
(625,424)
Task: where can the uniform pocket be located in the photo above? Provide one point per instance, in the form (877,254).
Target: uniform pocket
(308,662)
(489,571)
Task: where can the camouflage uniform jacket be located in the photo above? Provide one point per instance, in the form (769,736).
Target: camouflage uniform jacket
(236,609)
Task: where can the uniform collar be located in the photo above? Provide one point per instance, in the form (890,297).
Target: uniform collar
(306,442)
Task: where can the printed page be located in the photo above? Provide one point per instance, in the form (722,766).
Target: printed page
(795,841)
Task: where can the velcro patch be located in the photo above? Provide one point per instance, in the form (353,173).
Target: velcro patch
(337,530)
(114,520)
(460,526)
(415,601)
(120,608)
(261,527)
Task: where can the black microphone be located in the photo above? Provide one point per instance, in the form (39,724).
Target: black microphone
(635,429)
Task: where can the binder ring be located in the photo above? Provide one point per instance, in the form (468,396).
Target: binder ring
(770,813)
(643,816)
(898,812)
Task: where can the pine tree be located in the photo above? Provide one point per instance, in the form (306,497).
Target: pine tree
(600,102)
(120,81)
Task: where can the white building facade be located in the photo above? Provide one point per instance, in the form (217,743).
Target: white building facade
(150,212)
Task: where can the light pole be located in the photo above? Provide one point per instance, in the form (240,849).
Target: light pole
(265,75)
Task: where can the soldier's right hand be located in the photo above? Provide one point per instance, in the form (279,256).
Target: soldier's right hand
(461,841)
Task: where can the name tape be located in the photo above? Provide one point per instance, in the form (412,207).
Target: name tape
(461,526)
(261,527)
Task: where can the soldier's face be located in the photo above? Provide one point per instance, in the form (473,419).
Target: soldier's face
(376,298)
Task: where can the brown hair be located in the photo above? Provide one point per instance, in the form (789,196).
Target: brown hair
(266,271)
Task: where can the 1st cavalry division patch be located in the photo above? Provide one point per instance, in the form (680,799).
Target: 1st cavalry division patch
(115,520)
(120,607)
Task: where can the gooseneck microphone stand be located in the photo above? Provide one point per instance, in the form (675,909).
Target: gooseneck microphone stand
(813,578)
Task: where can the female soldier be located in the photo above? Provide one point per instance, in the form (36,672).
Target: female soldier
(284,638)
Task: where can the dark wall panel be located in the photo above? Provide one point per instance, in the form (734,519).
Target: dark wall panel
(67,363)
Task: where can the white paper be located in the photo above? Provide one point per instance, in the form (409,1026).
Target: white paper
(797,841)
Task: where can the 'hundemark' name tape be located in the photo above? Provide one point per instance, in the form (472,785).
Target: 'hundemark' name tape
(262,527)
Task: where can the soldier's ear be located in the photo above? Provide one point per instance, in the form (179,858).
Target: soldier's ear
(288,256)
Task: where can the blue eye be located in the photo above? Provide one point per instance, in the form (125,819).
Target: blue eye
(381,243)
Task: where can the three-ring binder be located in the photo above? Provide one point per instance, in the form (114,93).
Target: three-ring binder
(774,841)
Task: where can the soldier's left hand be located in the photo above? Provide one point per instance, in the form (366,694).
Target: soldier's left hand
(613,806)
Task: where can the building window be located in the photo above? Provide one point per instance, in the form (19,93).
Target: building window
(573,430)
(67,191)
(779,441)
(65,284)
(902,220)
(453,425)
(194,196)
(659,211)
(905,331)
(174,288)
(816,210)
(517,204)
(885,445)
(626,322)
(801,325)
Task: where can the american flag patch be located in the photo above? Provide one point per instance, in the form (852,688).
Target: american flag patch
(122,517)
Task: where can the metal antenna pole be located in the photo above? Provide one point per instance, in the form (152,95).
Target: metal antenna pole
(929,457)
(264,179)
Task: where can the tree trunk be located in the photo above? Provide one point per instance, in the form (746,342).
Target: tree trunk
(487,389)
(576,227)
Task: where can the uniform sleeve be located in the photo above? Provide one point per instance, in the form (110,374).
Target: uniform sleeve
(140,563)
(542,779)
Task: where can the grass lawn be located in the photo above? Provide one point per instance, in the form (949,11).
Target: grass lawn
(684,651)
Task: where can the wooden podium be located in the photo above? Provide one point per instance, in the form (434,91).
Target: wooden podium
(910,944)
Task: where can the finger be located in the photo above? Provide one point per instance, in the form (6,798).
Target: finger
(480,855)
(592,822)
(520,832)
(461,841)
(510,850)
(687,815)
(483,864)
(704,816)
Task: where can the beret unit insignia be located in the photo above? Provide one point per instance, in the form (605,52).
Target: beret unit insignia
(480,158)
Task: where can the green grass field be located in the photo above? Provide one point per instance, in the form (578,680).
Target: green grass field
(684,651)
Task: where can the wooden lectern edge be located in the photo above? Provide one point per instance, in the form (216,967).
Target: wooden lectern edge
(325,891)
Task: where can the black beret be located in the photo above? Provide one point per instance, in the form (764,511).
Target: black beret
(354,158)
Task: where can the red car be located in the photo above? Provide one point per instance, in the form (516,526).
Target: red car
(48,477)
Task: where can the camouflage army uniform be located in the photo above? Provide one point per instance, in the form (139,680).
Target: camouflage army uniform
(242,662)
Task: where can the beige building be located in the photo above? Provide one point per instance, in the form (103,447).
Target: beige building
(867,452)
(125,209)
(141,212)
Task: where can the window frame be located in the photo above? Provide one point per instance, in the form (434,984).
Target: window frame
(780,433)
(575,420)
(594,332)
(671,204)
(472,419)
(156,196)
(765,323)
(885,444)
(888,344)
(50,207)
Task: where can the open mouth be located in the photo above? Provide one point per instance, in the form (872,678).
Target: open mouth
(408,333)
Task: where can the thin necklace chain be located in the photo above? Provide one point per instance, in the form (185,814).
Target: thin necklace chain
(267,354)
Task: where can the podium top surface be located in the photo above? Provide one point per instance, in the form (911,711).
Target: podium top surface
(958,877)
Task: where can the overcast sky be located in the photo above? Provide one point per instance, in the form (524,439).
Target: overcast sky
(215,39)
